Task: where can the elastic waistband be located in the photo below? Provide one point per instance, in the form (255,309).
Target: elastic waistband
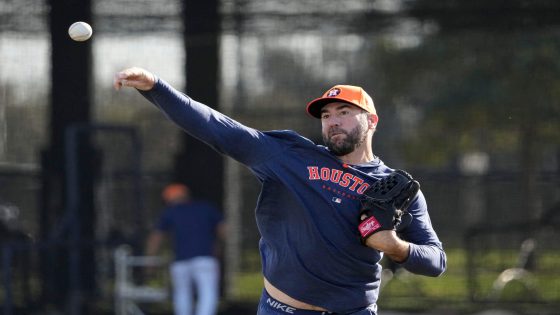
(273,304)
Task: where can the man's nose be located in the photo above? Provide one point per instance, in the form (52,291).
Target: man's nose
(333,121)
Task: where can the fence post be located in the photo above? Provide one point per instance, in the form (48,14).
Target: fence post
(7,275)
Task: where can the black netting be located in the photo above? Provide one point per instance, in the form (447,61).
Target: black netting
(467,97)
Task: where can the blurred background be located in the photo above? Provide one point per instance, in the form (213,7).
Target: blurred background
(468,94)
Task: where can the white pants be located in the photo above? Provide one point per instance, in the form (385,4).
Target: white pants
(204,274)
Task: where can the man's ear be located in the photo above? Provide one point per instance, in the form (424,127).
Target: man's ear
(372,121)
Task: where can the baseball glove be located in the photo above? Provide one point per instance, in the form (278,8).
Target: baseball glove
(384,205)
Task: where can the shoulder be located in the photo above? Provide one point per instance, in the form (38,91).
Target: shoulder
(291,141)
(289,136)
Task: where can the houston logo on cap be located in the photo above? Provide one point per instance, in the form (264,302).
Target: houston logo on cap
(333,92)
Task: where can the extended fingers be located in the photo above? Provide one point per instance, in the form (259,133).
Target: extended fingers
(123,77)
(134,77)
(120,80)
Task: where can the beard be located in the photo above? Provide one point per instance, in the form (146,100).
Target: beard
(354,138)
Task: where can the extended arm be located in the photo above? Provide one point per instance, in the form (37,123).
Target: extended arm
(247,145)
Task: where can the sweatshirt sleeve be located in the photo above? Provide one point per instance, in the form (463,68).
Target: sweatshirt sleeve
(427,260)
(426,255)
(227,136)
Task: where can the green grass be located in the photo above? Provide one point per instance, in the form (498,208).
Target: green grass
(409,291)
(248,286)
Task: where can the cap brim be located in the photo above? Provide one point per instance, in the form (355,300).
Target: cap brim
(314,107)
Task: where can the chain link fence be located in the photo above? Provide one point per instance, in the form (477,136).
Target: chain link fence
(444,123)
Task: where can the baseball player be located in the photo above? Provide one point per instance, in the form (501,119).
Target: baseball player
(194,227)
(320,244)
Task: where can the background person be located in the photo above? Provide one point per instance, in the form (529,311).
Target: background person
(195,228)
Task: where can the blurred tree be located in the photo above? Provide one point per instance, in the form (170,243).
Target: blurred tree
(492,92)
(477,92)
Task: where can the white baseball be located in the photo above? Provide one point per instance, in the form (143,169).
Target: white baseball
(80,31)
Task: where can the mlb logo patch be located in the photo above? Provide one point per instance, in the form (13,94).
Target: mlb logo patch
(336,199)
(333,92)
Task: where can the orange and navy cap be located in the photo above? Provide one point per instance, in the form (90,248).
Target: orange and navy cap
(354,95)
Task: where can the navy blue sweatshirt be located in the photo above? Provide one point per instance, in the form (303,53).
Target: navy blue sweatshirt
(307,211)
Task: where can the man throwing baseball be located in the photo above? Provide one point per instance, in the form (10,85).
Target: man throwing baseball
(326,214)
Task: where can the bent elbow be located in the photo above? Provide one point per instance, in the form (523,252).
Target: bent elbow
(441,267)
(426,260)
